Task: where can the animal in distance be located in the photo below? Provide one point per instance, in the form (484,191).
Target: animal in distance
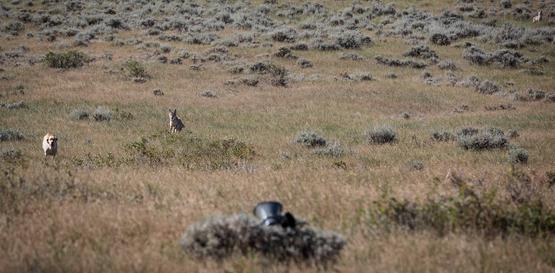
(175,122)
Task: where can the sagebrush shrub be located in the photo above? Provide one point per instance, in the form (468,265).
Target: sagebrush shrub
(66,60)
(488,87)
(102,114)
(8,134)
(79,114)
(333,150)
(484,139)
(310,138)
(442,136)
(222,237)
(381,135)
(518,155)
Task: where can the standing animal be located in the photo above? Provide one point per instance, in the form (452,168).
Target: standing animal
(175,122)
(50,145)
(538,17)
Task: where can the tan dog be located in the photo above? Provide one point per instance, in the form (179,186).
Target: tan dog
(175,122)
(50,145)
(538,17)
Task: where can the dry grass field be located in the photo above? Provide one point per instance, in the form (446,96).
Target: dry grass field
(402,182)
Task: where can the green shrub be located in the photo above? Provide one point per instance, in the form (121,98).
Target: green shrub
(381,135)
(66,60)
(135,69)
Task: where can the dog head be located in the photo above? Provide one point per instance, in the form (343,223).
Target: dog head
(52,140)
(173,113)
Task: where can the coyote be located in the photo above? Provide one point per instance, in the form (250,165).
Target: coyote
(538,17)
(175,122)
(50,145)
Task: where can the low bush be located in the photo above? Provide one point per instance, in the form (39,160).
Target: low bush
(66,60)
(447,65)
(518,155)
(469,211)
(333,150)
(535,94)
(102,114)
(7,134)
(310,139)
(421,51)
(487,87)
(442,136)
(397,62)
(485,139)
(135,69)
(381,135)
(11,155)
(79,114)
(222,237)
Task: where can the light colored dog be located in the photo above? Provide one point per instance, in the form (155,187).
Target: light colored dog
(538,17)
(175,122)
(50,145)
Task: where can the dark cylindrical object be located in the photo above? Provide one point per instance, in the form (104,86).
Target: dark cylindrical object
(269,212)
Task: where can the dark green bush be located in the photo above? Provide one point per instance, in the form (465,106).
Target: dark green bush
(135,69)
(66,60)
